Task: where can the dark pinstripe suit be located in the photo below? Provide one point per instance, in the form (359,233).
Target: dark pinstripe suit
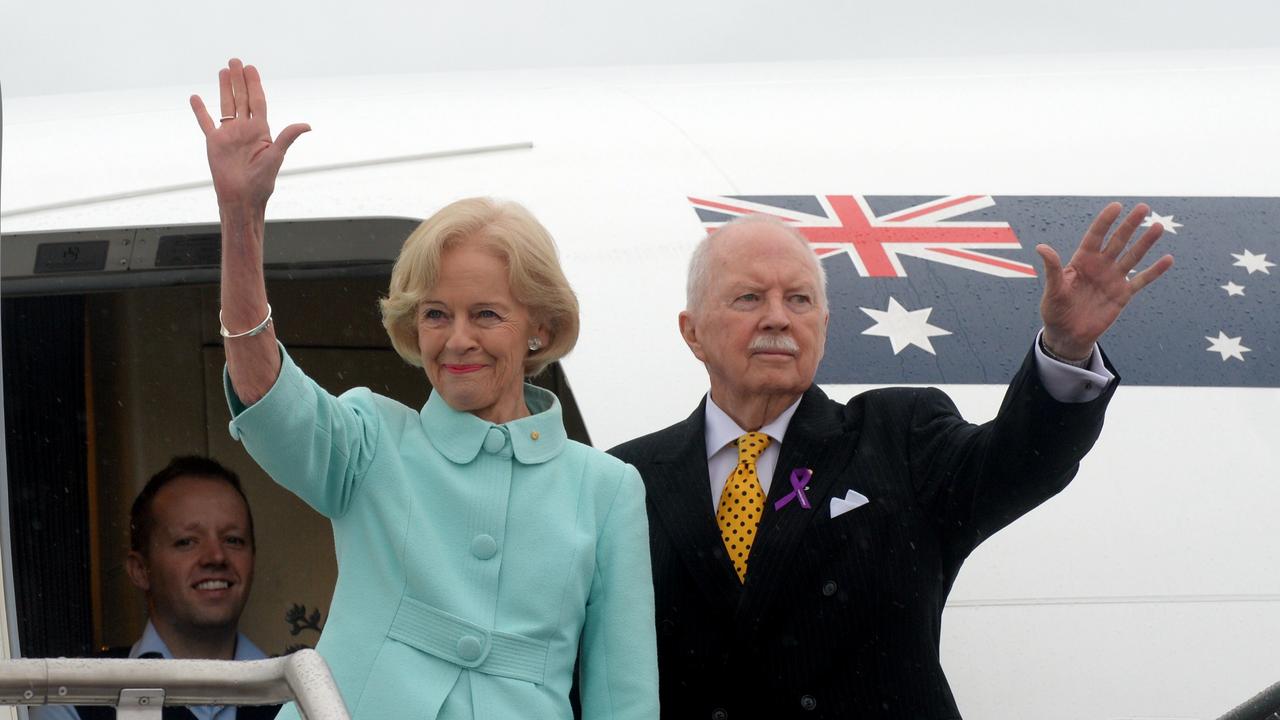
(841,617)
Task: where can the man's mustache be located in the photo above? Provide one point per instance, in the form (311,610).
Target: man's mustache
(774,343)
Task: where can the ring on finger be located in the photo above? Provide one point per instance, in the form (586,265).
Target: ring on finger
(225,118)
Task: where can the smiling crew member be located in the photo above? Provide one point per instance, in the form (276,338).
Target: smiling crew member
(803,549)
(191,553)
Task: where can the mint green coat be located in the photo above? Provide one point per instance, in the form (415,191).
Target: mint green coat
(474,560)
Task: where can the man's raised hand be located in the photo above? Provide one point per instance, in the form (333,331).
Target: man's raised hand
(1084,298)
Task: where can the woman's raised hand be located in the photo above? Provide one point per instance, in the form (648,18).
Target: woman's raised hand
(243,159)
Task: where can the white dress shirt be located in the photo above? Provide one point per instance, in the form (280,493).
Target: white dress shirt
(1064,382)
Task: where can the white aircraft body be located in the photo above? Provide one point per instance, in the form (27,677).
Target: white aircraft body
(1148,589)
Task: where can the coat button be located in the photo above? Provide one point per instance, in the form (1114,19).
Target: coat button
(495,440)
(719,714)
(469,647)
(484,546)
(829,588)
(808,702)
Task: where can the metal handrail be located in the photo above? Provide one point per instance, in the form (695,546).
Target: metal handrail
(1263,706)
(302,677)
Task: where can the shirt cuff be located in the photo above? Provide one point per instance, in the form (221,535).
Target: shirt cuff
(1070,384)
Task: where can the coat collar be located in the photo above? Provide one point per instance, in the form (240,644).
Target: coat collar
(460,436)
(821,439)
(678,496)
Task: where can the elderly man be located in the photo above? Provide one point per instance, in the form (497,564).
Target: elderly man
(770,607)
(191,554)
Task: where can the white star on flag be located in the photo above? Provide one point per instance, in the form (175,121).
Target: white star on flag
(1232,288)
(903,327)
(1252,263)
(1156,218)
(1227,347)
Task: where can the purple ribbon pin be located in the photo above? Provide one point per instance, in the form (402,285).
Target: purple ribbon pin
(799,482)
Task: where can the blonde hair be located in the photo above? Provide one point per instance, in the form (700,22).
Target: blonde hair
(533,265)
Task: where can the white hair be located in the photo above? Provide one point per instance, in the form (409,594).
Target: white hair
(700,262)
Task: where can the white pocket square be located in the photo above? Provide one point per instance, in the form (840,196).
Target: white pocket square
(852,499)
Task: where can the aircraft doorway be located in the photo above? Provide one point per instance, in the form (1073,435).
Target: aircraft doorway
(128,379)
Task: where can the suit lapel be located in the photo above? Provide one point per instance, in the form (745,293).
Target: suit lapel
(680,495)
(815,439)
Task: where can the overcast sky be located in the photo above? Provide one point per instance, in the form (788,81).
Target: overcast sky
(80,45)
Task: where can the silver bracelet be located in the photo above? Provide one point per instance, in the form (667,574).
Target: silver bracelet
(257,330)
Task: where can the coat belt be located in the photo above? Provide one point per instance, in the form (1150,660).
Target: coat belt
(466,644)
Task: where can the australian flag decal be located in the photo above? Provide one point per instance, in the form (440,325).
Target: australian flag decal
(939,290)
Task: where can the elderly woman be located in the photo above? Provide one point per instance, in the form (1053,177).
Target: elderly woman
(479,549)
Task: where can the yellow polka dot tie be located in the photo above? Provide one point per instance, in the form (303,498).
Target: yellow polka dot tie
(742,502)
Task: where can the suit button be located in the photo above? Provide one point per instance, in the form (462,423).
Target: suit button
(808,702)
(484,547)
(828,589)
(469,648)
(719,714)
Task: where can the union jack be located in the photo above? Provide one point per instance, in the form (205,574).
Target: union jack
(876,243)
